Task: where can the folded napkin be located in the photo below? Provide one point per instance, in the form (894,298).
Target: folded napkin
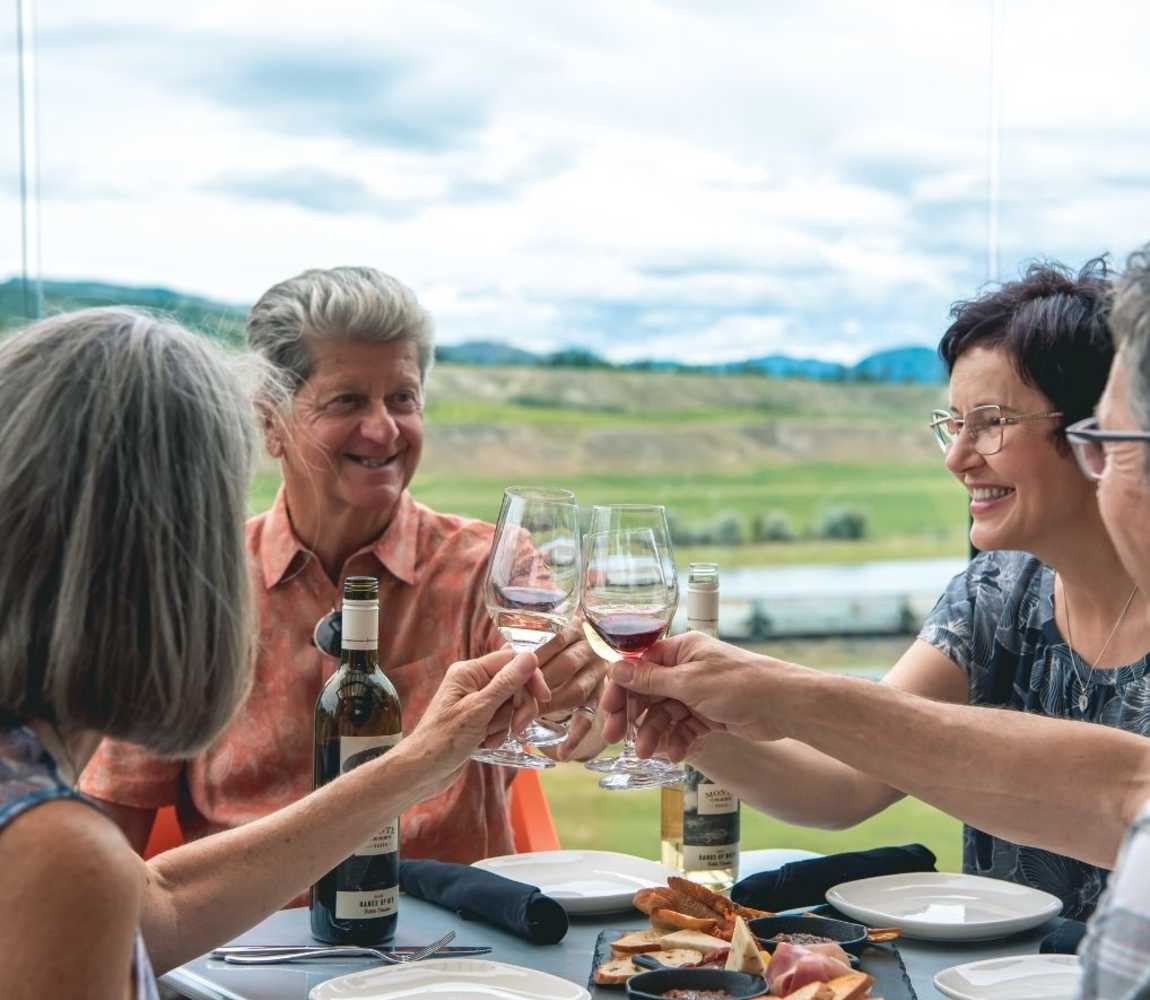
(805,883)
(476,894)
(1064,939)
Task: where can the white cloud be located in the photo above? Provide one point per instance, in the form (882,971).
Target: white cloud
(669,179)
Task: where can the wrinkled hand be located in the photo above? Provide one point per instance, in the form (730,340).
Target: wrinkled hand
(575,675)
(475,705)
(685,687)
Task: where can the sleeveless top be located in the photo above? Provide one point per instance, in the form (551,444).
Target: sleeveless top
(996,621)
(28,778)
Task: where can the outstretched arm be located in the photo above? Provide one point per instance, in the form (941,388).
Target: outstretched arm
(204,893)
(1068,787)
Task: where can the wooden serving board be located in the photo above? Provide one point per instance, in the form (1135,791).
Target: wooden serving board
(883,961)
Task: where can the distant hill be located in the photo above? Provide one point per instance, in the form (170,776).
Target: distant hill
(215,318)
(902,364)
(917,365)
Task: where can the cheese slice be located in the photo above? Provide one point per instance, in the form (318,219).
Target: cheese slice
(706,943)
(744,955)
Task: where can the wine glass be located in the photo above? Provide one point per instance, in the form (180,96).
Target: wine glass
(629,606)
(532,592)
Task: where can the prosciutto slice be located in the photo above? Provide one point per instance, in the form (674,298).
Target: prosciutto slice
(792,966)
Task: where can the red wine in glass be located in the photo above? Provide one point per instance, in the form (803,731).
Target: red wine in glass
(628,633)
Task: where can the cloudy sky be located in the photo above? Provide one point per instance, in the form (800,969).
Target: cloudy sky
(698,179)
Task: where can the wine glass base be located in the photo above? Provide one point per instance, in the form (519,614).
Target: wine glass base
(503,757)
(626,781)
(540,733)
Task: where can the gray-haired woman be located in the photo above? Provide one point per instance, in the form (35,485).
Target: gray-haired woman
(124,611)
(354,347)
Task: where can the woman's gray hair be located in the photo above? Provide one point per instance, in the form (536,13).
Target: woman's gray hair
(125,448)
(353,303)
(1130,324)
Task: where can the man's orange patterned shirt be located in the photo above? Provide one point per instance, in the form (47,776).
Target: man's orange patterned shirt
(431,568)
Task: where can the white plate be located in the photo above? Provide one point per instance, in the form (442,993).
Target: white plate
(1023,977)
(939,906)
(582,881)
(450,979)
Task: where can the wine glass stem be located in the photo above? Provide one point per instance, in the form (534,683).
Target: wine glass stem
(629,738)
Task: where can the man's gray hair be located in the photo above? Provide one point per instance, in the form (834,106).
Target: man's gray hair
(353,303)
(125,448)
(1130,323)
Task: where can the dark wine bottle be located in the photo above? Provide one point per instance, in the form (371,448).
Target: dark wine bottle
(358,718)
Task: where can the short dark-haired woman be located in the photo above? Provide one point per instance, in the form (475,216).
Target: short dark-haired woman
(125,444)
(1045,620)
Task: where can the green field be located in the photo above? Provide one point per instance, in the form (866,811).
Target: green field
(587,817)
(913,511)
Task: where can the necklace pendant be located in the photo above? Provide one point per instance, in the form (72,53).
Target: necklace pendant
(1082,701)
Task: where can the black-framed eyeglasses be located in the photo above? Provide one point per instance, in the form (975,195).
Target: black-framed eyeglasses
(1087,440)
(985,426)
(328,634)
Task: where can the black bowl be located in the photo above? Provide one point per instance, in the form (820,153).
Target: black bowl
(652,985)
(849,936)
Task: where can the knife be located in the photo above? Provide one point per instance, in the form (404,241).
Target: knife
(273,949)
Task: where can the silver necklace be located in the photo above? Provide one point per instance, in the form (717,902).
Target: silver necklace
(1082,699)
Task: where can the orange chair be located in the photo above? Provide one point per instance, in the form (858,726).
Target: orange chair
(531,822)
(166,832)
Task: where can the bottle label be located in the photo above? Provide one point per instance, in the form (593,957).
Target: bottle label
(357,750)
(710,824)
(715,800)
(366,903)
(359,625)
(708,859)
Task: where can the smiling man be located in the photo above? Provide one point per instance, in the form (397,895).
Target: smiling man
(349,351)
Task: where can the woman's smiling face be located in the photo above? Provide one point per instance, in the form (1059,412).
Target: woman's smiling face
(1031,491)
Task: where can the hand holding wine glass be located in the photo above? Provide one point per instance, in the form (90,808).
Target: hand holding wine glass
(628,604)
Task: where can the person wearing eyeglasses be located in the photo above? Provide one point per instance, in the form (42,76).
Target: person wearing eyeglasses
(1113,450)
(356,348)
(1045,621)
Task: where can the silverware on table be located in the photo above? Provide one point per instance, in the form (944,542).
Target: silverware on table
(275,954)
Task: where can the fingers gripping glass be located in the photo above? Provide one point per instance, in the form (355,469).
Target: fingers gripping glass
(1088,441)
(984,426)
(532,592)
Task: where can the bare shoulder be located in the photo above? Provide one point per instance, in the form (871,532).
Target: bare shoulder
(64,865)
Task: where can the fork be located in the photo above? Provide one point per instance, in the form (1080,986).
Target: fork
(351,951)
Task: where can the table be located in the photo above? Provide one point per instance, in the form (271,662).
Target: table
(420,922)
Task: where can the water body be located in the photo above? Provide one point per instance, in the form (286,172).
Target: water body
(878,598)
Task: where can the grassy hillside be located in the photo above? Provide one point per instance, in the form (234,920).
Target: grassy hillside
(709,447)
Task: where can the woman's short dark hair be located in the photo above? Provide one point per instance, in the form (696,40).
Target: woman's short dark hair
(125,445)
(1051,323)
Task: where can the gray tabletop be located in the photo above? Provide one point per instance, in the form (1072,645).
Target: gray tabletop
(420,922)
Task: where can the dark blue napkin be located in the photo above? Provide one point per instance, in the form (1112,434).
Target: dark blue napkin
(805,883)
(476,894)
(1064,939)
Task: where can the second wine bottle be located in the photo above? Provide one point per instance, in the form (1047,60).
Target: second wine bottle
(358,718)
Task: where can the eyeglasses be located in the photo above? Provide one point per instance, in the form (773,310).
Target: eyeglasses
(1087,440)
(984,426)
